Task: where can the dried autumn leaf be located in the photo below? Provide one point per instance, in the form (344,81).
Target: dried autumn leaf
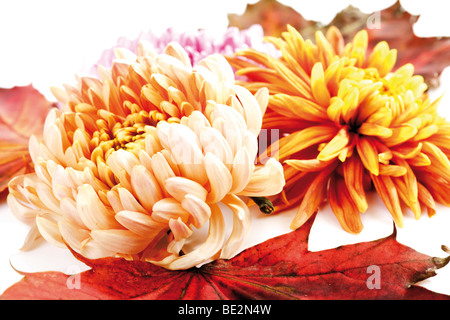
(394,25)
(22,114)
(279,268)
(272,16)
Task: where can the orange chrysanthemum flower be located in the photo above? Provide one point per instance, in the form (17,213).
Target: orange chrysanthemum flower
(350,122)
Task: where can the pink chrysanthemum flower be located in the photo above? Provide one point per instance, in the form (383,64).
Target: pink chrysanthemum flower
(197,45)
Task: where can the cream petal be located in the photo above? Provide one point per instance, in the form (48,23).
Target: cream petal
(83,139)
(252,109)
(214,142)
(266,180)
(45,194)
(40,168)
(69,211)
(22,212)
(219,66)
(93,249)
(169,208)
(33,148)
(92,211)
(114,200)
(145,159)
(206,251)
(262,96)
(179,229)
(140,223)
(178,187)
(174,247)
(161,169)
(145,186)
(32,238)
(125,54)
(241,226)
(50,231)
(196,122)
(73,235)
(231,124)
(220,179)
(162,131)
(251,143)
(242,170)
(120,241)
(122,160)
(199,210)
(152,144)
(186,153)
(54,142)
(128,201)
(175,50)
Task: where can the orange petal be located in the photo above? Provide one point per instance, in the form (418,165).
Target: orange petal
(426,198)
(318,85)
(371,129)
(343,207)
(353,172)
(335,146)
(369,154)
(401,134)
(314,196)
(388,193)
(300,140)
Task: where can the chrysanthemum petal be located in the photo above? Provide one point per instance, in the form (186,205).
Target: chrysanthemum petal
(335,146)
(169,208)
(179,187)
(220,178)
(257,185)
(199,210)
(241,224)
(92,211)
(314,196)
(343,207)
(49,230)
(388,193)
(353,172)
(120,241)
(140,223)
(368,154)
(145,186)
(209,248)
(241,171)
(318,85)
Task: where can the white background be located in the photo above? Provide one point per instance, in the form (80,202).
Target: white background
(47,42)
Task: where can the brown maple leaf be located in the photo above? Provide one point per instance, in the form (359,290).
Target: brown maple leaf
(394,25)
(272,16)
(22,114)
(279,268)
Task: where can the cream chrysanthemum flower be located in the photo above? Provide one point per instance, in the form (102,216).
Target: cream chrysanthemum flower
(139,162)
(349,122)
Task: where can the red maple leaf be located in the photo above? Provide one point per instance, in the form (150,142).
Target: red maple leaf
(279,268)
